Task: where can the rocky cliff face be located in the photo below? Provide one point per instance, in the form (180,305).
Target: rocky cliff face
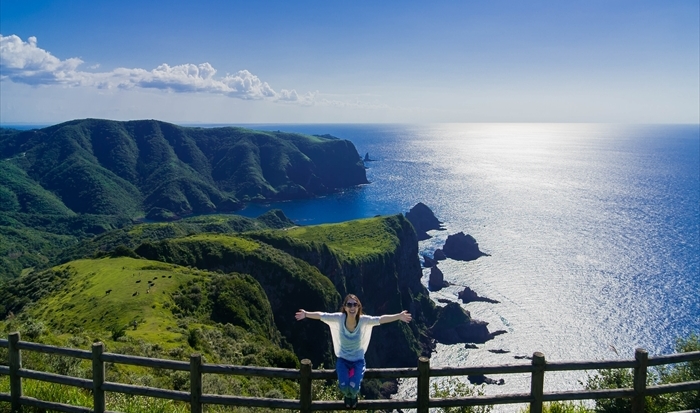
(386,284)
(314,275)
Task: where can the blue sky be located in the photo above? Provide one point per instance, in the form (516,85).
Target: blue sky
(346,62)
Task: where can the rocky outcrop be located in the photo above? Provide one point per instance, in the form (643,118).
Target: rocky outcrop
(423,220)
(469,296)
(462,247)
(428,262)
(481,379)
(436,281)
(455,325)
(439,255)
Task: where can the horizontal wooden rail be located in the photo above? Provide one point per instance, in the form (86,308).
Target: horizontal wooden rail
(146,391)
(673,388)
(61,351)
(468,371)
(249,371)
(589,365)
(145,361)
(365,405)
(61,407)
(587,394)
(196,398)
(674,358)
(250,401)
(481,400)
(55,378)
(395,373)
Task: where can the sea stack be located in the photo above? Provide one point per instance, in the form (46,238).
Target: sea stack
(423,219)
(455,325)
(462,247)
(436,281)
(469,296)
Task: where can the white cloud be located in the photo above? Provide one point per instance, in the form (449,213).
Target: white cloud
(25,62)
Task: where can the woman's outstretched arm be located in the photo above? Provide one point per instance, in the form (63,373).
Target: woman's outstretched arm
(302,314)
(403,316)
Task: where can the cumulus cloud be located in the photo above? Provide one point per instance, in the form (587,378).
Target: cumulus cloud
(25,62)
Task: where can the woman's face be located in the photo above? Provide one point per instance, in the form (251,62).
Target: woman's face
(352,307)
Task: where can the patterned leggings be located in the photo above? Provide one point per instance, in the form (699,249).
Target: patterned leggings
(350,375)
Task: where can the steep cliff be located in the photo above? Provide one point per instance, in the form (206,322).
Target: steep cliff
(376,259)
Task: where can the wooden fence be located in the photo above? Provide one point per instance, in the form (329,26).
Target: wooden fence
(305,375)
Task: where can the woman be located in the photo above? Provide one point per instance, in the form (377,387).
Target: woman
(351,331)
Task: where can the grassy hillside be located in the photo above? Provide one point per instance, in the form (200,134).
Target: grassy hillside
(133,236)
(162,171)
(38,241)
(152,309)
(66,183)
(177,287)
(289,283)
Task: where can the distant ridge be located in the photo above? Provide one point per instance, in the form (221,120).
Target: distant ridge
(161,171)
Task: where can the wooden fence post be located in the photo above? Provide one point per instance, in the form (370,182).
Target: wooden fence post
(640,380)
(305,386)
(98,377)
(15,358)
(537,382)
(423,395)
(196,383)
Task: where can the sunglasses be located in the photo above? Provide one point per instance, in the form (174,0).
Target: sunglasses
(351,305)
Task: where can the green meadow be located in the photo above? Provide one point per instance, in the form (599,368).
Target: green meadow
(112,294)
(357,239)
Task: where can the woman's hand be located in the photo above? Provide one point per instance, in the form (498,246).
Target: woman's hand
(300,315)
(403,316)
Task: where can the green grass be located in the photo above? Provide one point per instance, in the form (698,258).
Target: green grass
(228,241)
(139,299)
(353,239)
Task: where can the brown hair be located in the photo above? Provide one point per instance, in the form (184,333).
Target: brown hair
(359,305)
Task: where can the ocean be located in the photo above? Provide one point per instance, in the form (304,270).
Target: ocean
(592,231)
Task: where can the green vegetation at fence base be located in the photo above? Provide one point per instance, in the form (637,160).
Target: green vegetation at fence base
(623,378)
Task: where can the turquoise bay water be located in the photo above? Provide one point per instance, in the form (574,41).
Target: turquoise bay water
(593,231)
